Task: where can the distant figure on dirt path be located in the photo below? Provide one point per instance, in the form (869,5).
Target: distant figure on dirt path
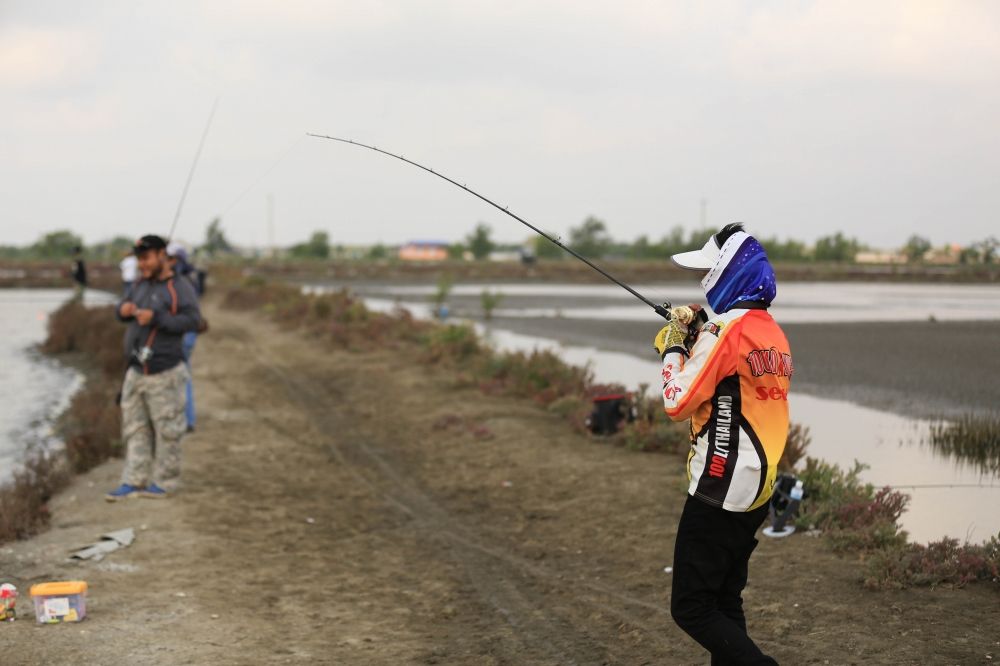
(79,272)
(159,310)
(129,267)
(183,269)
(730,375)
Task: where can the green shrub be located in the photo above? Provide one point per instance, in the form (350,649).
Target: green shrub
(450,343)
(489,300)
(851,513)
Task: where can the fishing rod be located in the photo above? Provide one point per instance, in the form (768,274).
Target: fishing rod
(194,165)
(946,485)
(662,309)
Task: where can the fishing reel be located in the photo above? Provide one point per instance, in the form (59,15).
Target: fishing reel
(144,355)
(693,318)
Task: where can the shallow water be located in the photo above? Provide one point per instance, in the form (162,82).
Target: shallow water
(35,388)
(797,302)
(892,446)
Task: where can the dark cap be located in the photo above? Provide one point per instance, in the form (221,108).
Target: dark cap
(149,243)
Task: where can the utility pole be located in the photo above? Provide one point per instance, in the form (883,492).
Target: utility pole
(704,213)
(272,251)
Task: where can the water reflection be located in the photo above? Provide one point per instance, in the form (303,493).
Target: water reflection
(972,439)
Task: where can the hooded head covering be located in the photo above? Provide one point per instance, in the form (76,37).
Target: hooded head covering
(738,269)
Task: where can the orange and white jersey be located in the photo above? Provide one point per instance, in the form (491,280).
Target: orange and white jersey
(734,388)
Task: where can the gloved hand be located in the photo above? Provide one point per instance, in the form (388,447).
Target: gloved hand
(670,336)
(677,333)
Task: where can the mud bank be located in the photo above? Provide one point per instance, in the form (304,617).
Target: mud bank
(339,509)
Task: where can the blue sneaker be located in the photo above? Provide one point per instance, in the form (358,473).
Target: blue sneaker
(153,491)
(124,491)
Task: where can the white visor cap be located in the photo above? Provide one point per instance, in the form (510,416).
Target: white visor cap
(699,260)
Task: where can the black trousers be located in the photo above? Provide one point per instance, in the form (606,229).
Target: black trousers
(710,571)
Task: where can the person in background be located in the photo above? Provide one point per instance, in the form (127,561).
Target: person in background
(129,267)
(730,377)
(183,269)
(159,310)
(79,272)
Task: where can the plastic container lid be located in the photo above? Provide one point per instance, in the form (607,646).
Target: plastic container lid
(59,589)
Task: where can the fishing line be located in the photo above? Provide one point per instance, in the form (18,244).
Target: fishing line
(194,165)
(662,309)
(946,485)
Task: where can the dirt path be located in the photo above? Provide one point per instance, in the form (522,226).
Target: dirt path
(361,509)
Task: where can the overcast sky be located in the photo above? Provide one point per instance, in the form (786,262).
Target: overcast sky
(879,119)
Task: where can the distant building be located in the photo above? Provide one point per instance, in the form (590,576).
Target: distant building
(873,257)
(505,255)
(424,251)
(949,254)
(523,255)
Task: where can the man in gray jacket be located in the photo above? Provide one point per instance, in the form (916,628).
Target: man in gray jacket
(159,310)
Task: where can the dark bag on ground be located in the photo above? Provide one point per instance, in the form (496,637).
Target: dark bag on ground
(609,412)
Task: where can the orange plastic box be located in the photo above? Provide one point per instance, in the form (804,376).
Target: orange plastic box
(64,601)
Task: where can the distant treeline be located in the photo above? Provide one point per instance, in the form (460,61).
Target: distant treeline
(590,238)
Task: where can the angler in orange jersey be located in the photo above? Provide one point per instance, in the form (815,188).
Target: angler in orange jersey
(730,376)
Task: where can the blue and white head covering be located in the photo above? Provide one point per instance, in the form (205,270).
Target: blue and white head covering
(738,269)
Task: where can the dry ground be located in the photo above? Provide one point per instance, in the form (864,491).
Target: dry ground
(362,509)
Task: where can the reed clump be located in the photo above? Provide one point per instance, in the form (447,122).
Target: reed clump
(973,438)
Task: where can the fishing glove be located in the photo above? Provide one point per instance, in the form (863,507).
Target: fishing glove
(676,335)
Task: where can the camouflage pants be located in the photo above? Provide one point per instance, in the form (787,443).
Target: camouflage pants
(153,424)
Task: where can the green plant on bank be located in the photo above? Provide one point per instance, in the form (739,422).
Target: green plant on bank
(489,300)
(450,343)
(972,438)
(850,512)
(441,292)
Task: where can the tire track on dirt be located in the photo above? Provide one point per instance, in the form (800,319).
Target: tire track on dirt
(534,629)
(526,613)
(537,635)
